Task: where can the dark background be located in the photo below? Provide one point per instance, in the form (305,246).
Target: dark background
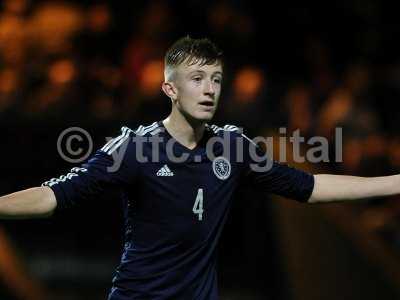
(98,65)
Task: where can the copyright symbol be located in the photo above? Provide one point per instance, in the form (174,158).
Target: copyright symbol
(74,145)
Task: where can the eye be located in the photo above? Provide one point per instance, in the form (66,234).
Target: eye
(218,80)
(196,79)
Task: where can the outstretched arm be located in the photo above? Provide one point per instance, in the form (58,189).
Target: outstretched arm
(86,182)
(30,203)
(329,188)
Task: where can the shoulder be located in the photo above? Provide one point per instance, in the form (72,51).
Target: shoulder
(126,134)
(225,129)
(231,131)
(148,130)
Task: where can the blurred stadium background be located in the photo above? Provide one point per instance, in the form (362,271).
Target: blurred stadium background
(98,65)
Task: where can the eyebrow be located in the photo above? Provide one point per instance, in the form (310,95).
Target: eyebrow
(201,71)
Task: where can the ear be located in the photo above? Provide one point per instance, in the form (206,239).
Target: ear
(170,90)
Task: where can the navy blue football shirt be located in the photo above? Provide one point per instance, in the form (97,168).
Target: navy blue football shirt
(176,203)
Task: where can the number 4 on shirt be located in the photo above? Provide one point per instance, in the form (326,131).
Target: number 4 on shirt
(198,204)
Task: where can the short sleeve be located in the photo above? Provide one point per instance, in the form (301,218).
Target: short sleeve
(273,177)
(103,171)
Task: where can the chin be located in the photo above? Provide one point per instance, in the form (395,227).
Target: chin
(204,117)
(200,116)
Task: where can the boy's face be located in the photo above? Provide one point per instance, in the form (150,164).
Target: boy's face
(197,90)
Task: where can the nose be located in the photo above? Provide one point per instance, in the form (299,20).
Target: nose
(209,88)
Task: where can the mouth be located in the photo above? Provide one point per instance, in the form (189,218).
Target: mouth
(207,103)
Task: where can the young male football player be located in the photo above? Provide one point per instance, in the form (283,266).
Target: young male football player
(177,177)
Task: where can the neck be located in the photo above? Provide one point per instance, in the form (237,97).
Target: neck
(185,131)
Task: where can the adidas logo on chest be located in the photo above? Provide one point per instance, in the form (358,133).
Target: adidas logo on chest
(165,171)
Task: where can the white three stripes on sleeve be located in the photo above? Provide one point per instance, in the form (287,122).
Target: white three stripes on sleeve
(63,178)
(119,143)
(115,143)
(143,130)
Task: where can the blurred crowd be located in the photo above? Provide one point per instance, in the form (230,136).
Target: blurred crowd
(100,64)
(69,61)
